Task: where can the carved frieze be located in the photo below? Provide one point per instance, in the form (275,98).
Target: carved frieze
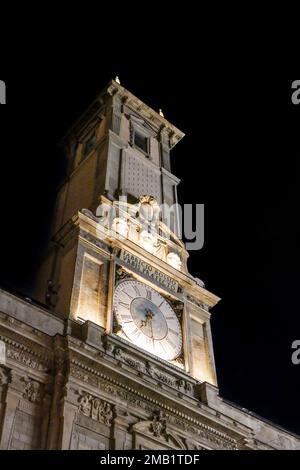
(129,360)
(26,360)
(147,368)
(197,430)
(114,390)
(26,353)
(93,407)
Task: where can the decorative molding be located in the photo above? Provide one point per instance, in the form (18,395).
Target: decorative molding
(17,328)
(26,360)
(94,240)
(27,353)
(202,431)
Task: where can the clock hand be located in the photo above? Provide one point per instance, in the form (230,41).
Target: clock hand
(148,317)
(152,333)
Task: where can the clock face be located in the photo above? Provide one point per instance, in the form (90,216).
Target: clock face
(147,319)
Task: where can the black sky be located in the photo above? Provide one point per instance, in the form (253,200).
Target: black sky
(240,157)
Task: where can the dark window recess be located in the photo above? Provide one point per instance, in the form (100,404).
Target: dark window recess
(89,145)
(141,141)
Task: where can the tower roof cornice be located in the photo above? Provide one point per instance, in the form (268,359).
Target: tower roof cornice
(147,113)
(157,120)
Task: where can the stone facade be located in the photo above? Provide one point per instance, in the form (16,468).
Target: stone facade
(70,378)
(79,388)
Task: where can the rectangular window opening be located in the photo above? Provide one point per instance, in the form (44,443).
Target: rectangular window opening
(141,141)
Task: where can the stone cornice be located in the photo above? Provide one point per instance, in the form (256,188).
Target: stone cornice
(41,320)
(144,110)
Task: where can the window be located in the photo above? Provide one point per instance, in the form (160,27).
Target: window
(89,144)
(141,141)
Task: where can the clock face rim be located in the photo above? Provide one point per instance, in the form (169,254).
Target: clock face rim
(170,351)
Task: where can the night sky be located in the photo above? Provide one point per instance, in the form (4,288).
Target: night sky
(240,157)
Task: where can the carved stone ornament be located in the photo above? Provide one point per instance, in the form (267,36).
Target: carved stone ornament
(158,425)
(32,391)
(121,274)
(148,210)
(131,362)
(94,408)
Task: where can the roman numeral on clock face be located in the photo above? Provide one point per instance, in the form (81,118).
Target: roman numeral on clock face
(126,317)
(170,342)
(136,333)
(173,332)
(149,295)
(124,304)
(136,291)
(128,295)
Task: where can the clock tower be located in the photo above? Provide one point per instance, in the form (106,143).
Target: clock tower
(117,352)
(116,260)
